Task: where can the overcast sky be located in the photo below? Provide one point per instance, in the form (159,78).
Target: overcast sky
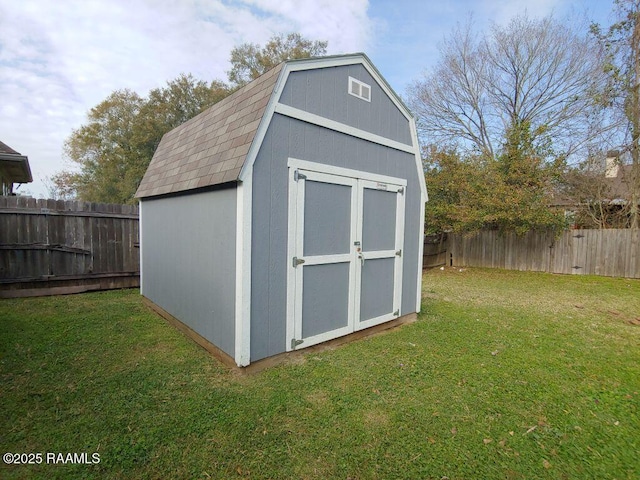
(60,58)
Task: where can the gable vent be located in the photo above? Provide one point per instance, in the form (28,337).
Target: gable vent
(359,89)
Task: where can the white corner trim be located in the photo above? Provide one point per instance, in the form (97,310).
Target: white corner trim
(420,258)
(341,127)
(416,152)
(424,197)
(243,274)
(140,245)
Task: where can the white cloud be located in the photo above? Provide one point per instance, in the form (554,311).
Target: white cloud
(344,23)
(59,59)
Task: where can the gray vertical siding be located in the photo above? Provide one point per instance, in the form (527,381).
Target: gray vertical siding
(325,298)
(324,92)
(377,288)
(327,218)
(286,138)
(379,220)
(189,265)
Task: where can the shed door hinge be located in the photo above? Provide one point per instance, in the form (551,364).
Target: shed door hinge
(297,261)
(401,190)
(297,175)
(399,253)
(295,343)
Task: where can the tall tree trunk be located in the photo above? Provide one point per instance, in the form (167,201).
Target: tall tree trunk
(635,122)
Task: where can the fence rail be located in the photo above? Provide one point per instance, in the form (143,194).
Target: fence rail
(610,252)
(53,246)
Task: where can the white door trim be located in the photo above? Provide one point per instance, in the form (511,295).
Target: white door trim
(295,295)
(378,254)
(294,163)
(291,252)
(299,171)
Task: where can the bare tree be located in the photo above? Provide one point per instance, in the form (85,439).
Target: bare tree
(539,73)
(621,97)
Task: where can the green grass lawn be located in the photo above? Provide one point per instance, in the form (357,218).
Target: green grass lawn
(504,375)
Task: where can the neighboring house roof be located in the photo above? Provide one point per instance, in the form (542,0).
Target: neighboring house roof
(210,148)
(619,187)
(217,146)
(14,167)
(4,148)
(616,190)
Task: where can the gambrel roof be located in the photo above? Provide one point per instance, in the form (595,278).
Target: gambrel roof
(220,144)
(210,148)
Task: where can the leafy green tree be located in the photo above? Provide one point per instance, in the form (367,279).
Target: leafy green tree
(113,150)
(523,180)
(473,192)
(621,97)
(103,149)
(456,188)
(166,108)
(249,60)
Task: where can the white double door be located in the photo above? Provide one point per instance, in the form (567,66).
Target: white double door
(346,235)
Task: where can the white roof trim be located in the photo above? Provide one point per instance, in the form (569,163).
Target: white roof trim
(314,119)
(354,59)
(325,62)
(247,167)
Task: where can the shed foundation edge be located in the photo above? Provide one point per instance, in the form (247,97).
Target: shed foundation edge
(280,358)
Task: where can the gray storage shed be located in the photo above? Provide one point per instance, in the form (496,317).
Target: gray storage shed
(289,213)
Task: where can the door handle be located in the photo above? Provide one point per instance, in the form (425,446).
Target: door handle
(361,257)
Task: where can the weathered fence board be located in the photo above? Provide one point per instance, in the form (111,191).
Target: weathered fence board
(435,251)
(610,252)
(58,245)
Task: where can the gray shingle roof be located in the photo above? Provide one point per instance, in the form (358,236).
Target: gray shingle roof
(14,167)
(211,148)
(4,148)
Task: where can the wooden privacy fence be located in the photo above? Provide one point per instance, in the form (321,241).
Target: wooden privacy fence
(49,246)
(611,252)
(435,252)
